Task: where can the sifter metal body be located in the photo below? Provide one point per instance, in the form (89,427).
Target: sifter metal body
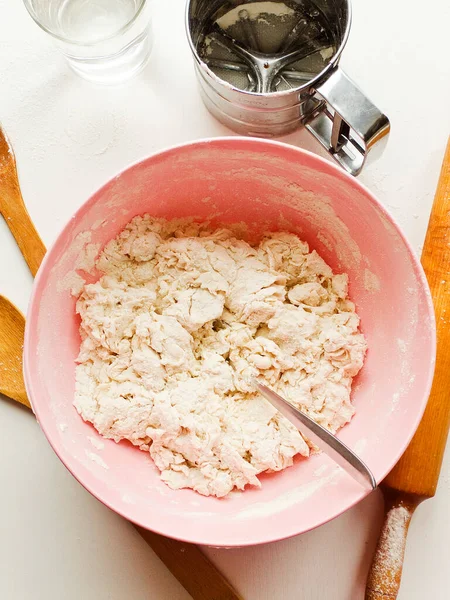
(268,68)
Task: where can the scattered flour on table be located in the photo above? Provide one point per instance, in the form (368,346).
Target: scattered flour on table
(184,317)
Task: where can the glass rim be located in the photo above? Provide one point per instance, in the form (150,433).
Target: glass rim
(67,40)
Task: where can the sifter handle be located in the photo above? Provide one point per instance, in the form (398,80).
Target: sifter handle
(346,123)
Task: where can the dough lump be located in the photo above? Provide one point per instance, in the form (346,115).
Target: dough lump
(181,321)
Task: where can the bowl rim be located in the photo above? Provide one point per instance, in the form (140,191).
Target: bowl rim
(203,537)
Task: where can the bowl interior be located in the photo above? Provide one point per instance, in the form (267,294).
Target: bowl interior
(267,186)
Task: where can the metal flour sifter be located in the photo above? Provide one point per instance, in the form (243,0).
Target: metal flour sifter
(268,68)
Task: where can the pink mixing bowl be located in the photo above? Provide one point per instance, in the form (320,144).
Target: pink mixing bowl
(269,186)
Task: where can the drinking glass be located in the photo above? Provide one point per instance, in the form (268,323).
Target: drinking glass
(104,41)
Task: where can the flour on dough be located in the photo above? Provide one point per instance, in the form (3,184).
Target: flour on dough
(184,317)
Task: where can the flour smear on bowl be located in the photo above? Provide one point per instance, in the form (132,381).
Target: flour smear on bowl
(182,320)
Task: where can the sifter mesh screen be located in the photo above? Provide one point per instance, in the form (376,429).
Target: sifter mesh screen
(268,46)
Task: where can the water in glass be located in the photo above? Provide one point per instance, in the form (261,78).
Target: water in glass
(105,41)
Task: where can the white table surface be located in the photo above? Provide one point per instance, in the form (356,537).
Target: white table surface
(56,541)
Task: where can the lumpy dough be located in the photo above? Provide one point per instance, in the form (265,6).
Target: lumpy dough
(183,319)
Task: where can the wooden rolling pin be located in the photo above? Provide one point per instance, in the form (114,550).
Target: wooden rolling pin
(416,475)
(186,562)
